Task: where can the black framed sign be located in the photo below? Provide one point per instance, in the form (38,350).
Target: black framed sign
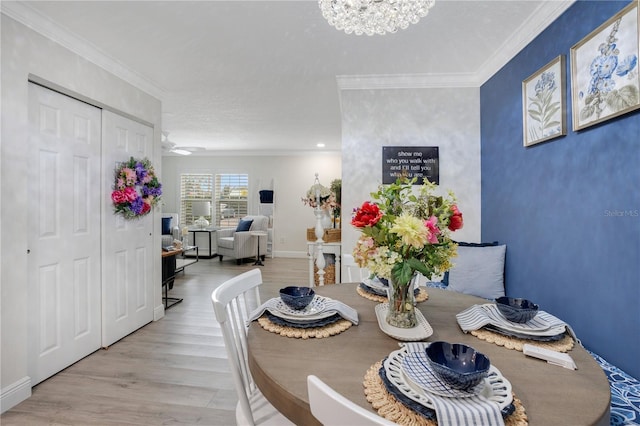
(421,162)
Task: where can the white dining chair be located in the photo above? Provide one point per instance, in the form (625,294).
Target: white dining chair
(333,409)
(233,301)
(354,273)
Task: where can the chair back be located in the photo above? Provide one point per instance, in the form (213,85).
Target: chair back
(354,273)
(333,409)
(232,303)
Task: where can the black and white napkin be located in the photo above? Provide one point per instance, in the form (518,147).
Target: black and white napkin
(451,411)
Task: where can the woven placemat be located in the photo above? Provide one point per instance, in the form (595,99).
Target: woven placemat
(420,297)
(563,345)
(390,408)
(305,333)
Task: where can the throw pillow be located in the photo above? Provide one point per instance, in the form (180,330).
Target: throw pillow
(479,271)
(244,225)
(445,277)
(166,225)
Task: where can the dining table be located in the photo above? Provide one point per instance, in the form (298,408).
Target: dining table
(550,394)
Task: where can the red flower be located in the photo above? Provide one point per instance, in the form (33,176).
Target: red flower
(455,221)
(130,193)
(145,208)
(367,215)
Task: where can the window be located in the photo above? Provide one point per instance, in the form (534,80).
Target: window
(194,187)
(232,192)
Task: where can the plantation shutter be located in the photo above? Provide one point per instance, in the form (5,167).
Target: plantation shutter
(231,203)
(194,187)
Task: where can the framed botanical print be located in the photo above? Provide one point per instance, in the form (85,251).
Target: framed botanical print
(543,103)
(604,70)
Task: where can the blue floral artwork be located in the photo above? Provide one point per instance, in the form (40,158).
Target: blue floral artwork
(605,71)
(543,103)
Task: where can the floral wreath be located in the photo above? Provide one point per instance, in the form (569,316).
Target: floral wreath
(136,188)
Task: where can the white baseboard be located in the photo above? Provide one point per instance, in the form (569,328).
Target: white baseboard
(158,312)
(15,393)
(291,254)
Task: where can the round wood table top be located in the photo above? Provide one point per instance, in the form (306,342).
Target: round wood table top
(550,394)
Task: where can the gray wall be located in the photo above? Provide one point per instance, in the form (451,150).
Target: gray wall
(446,118)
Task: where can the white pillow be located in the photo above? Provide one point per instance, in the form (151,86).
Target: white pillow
(478,271)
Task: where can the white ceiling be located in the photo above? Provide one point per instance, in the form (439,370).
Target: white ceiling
(265,76)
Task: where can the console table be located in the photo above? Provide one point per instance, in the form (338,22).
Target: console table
(327,248)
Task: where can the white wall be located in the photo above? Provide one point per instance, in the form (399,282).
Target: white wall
(292,176)
(447,118)
(25,53)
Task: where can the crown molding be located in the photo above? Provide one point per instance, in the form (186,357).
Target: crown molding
(26,15)
(541,18)
(405,81)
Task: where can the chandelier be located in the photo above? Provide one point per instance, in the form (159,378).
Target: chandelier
(373,16)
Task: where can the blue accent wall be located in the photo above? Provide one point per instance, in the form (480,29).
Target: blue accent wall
(568,209)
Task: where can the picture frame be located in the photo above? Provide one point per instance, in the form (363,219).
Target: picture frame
(605,82)
(544,107)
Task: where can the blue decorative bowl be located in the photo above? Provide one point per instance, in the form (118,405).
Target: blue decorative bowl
(516,310)
(460,366)
(297,298)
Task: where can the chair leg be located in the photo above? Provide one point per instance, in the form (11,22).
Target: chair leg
(238,261)
(220,257)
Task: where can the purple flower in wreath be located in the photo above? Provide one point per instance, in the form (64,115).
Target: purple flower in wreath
(155,191)
(137,205)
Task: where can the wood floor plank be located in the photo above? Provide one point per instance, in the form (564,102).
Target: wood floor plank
(173,371)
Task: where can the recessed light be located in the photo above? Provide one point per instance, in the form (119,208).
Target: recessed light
(320,145)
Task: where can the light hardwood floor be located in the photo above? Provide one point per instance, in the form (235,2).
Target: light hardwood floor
(172,371)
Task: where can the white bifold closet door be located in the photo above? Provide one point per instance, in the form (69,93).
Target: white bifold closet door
(128,252)
(90,272)
(63,235)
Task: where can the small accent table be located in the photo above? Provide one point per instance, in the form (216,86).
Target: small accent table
(168,275)
(258,234)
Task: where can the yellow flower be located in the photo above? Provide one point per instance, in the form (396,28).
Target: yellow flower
(411,230)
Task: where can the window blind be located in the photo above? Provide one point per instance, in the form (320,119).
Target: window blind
(194,187)
(231,201)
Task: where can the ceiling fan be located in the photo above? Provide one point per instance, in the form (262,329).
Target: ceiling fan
(169,146)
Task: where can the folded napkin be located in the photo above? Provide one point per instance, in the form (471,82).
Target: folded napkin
(543,324)
(472,410)
(330,306)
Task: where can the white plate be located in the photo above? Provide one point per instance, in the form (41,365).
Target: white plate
(497,388)
(315,311)
(314,307)
(418,372)
(417,333)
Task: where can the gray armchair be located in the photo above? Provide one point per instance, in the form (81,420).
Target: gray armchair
(240,244)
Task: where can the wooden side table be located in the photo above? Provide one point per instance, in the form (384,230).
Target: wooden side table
(168,275)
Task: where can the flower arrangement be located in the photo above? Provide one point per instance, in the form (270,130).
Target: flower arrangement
(326,197)
(136,188)
(404,233)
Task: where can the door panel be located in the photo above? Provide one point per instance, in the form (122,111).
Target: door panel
(64,237)
(127,244)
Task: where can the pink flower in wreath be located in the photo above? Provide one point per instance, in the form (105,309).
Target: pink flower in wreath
(130,193)
(129,176)
(118,197)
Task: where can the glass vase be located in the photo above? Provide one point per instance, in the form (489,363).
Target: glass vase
(402,309)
